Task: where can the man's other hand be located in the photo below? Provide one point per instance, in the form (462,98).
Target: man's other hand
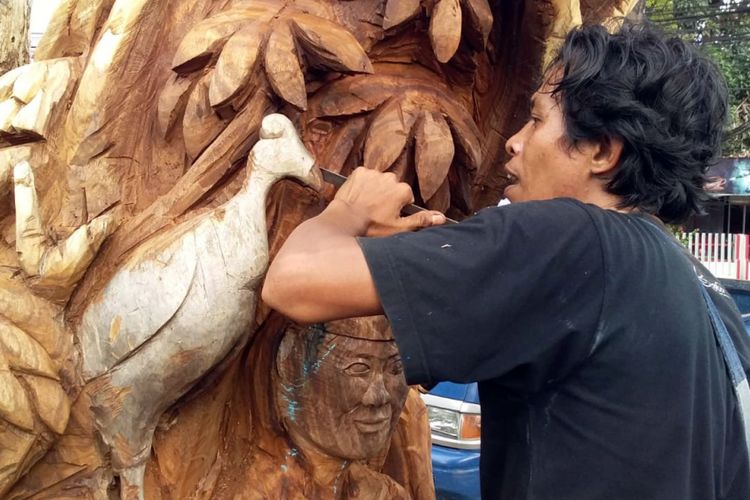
(377,198)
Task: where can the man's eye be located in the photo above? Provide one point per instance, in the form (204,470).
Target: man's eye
(357,369)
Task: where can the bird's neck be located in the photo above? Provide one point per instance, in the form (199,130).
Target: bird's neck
(250,201)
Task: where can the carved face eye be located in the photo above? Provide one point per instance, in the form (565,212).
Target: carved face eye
(357,369)
(395,367)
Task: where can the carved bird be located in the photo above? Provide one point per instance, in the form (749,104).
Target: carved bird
(180,304)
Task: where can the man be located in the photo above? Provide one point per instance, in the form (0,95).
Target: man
(584,324)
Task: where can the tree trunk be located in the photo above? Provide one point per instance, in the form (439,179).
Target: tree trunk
(14,26)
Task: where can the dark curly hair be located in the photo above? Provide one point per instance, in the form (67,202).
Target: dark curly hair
(665,100)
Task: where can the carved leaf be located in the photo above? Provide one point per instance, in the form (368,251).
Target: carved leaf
(172,102)
(24,353)
(208,36)
(50,400)
(433,154)
(329,45)
(236,64)
(200,124)
(32,117)
(441,200)
(29,82)
(341,144)
(16,446)
(466,133)
(7,81)
(9,108)
(349,96)
(399,11)
(403,167)
(479,22)
(445,29)
(15,406)
(387,136)
(282,67)
(38,88)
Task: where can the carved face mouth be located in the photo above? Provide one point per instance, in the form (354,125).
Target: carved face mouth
(372,423)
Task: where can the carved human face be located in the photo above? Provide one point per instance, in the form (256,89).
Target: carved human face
(345,398)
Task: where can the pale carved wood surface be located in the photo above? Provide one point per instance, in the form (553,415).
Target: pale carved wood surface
(135,123)
(14,26)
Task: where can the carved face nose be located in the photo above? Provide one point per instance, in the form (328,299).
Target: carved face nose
(376,393)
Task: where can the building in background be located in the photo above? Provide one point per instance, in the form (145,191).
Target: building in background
(41,13)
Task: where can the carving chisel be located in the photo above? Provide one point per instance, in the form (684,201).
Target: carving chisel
(337,180)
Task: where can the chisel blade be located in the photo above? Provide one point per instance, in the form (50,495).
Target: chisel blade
(338,179)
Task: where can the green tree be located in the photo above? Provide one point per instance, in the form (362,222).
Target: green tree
(721,28)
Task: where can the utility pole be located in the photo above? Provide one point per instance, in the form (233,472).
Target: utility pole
(14,33)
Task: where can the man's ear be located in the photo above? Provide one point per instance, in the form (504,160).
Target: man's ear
(605,155)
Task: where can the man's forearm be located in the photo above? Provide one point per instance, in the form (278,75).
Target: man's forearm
(320,272)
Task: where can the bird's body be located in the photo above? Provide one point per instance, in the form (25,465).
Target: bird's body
(143,349)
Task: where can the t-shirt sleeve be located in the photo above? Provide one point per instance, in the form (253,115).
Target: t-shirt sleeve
(512,294)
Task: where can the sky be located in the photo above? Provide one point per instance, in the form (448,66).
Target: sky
(41,12)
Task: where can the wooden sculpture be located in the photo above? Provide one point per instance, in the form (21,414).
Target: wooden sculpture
(130,336)
(339,391)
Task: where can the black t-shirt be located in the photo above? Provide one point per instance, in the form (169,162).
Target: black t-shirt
(599,373)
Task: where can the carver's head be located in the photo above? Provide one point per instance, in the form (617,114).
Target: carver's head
(628,120)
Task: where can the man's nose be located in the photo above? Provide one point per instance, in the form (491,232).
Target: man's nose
(513,145)
(376,394)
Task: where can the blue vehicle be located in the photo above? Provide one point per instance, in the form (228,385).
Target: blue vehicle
(455,421)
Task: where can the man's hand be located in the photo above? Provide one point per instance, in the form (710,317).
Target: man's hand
(320,273)
(376,199)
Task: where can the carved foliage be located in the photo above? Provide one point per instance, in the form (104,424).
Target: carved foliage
(229,49)
(415,125)
(450,21)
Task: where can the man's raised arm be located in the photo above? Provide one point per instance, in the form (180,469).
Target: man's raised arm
(320,273)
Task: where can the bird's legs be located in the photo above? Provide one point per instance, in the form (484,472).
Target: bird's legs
(131,482)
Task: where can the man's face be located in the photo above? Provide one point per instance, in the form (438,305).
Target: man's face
(543,166)
(348,401)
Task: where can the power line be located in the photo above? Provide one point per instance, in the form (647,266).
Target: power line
(695,17)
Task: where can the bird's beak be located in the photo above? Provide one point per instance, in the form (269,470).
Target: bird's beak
(314,179)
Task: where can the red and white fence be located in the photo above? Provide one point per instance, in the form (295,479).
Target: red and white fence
(725,255)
